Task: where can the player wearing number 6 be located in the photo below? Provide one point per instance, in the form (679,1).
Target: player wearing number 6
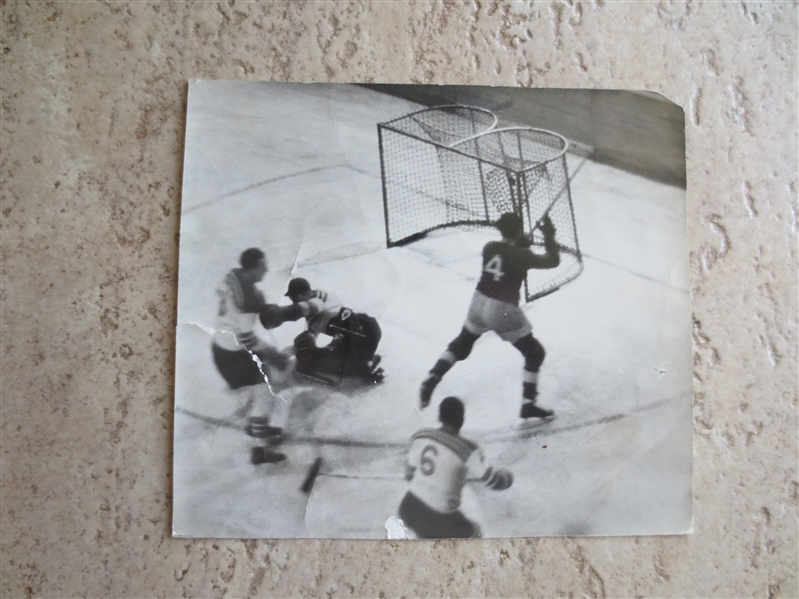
(495,307)
(440,462)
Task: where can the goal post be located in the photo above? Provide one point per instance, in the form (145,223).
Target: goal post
(433,179)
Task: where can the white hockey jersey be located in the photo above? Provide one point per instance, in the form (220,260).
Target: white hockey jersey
(439,464)
(239,304)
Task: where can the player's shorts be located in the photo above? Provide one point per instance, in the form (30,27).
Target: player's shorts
(430,524)
(488,314)
(237,367)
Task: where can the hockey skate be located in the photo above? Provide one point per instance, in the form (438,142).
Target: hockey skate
(371,372)
(375,376)
(426,391)
(530,410)
(263,455)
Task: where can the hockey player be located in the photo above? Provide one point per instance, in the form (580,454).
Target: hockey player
(355,337)
(244,360)
(495,307)
(440,462)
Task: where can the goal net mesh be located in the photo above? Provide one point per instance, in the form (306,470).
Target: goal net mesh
(449,167)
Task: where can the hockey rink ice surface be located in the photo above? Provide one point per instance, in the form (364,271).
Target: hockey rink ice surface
(295,170)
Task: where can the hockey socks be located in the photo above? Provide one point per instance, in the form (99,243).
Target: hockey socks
(258,427)
(529,395)
(426,391)
(441,367)
(444,363)
(530,385)
(530,391)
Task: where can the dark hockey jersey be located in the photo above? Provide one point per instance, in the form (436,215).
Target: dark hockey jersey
(505,266)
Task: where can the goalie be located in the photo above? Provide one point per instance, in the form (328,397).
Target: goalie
(355,335)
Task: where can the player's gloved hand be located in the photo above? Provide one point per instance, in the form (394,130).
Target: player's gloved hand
(547,228)
(268,316)
(311,308)
(500,480)
(272,315)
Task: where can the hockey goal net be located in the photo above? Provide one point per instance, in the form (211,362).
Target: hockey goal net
(450,167)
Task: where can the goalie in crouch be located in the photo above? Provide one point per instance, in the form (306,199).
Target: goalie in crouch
(495,307)
(355,335)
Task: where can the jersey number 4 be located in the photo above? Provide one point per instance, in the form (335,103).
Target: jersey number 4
(494,267)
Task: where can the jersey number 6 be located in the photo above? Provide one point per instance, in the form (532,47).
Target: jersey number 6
(494,267)
(426,463)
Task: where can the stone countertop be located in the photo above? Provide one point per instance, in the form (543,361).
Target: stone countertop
(93,114)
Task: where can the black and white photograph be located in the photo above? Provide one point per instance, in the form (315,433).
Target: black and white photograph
(420,312)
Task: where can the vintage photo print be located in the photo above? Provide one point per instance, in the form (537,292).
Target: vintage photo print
(432,312)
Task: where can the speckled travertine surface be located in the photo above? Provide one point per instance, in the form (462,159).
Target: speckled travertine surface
(93,110)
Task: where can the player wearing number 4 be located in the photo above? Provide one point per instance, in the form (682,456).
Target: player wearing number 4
(440,463)
(495,307)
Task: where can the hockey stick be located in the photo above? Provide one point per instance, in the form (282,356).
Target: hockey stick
(332,326)
(310,478)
